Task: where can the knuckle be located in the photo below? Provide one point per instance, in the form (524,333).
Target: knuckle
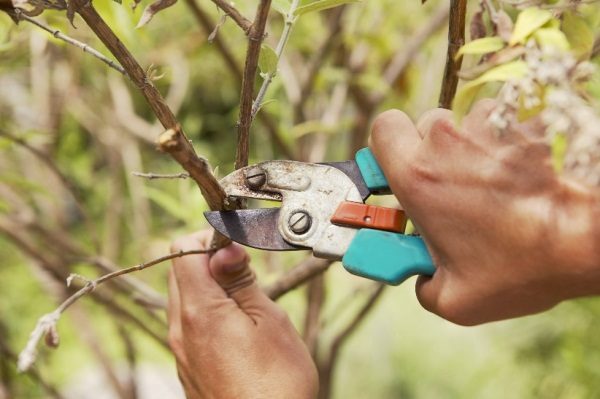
(280,316)
(419,174)
(189,316)
(443,130)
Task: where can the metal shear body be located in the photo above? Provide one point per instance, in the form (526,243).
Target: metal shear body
(323,209)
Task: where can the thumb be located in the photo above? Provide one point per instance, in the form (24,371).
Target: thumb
(231,270)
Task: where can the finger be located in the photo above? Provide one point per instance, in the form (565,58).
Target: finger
(393,128)
(230,268)
(428,120)
(394,141)
(196,286)
(428,291)
(477,121)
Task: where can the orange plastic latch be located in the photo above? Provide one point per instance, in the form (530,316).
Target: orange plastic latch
(355,214)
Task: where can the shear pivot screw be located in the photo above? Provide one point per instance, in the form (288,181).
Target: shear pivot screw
(300,222)
(255,177)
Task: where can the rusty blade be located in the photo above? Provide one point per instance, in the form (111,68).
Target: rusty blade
(256,228)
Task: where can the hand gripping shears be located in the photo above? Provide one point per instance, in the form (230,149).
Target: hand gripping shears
(323,210)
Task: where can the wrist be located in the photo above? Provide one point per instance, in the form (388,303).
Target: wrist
(576,249)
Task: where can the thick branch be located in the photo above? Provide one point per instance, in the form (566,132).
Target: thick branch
(173,141)
(255,38)
(456,38)
(207,24)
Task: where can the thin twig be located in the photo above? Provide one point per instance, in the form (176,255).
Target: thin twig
(207,25)
(35,375)
(152,176)
(255,38)
(234,14)
(59,35)
(290,19)
(56,269)
(304,271)
(46,324)
(456,38)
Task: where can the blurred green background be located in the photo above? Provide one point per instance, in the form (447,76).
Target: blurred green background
(92,125)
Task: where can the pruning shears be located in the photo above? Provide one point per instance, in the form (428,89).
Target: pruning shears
(323,209)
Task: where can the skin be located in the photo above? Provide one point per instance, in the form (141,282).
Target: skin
(229,339)
(507,235)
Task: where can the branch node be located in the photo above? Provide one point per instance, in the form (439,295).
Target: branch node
(167,141)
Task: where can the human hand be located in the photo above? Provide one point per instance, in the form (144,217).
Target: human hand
(229,339)
(508,236)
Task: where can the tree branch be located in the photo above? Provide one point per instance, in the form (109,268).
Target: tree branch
(285,35)
(456,38)
(153,176)
(59,35)
(173,141)
(234,14)
(207,24)
(255,38)
(46,325)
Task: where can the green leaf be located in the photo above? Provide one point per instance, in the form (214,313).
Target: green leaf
(503,73)
(321,5)
(551,37)
(579,34)
(528,21)
(482,46)
(267,60)
(559,149)
(281,6)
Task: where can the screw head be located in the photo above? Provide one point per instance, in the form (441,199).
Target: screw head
(255,177)
(299,222)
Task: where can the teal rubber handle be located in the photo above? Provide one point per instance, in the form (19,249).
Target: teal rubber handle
(371,172)
(387,257)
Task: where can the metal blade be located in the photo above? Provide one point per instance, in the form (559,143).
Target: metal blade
(351,169)
(256,228)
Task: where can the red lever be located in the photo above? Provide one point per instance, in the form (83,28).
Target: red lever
(355,214)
